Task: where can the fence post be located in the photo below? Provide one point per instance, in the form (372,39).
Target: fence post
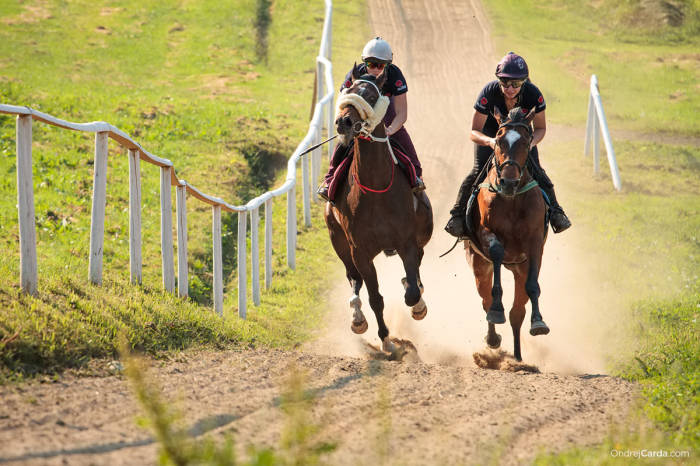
(316,153)
(590,122)
(181,207)
(218,285)
(306,188)
(596,146)
(166,230)
(99,198)
(255,255)
(242,279)
(135,216)
(268,243)
(28,275)
(331,129)
(291,228)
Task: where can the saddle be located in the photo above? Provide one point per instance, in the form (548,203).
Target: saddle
(476,187)
(341,172)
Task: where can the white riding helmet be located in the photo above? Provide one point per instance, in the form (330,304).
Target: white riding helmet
(378,49)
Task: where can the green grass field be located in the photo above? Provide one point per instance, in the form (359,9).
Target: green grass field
(648,72)
(187,81)
(644,240)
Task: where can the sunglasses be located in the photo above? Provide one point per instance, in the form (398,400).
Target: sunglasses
(372,65)
(514,83)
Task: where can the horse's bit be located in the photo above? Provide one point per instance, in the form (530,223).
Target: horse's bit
(363,126)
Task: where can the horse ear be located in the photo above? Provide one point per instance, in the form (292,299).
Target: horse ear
(381,79)
(355,73)
(497,114)
(530,115)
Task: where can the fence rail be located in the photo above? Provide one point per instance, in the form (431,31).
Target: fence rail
(168,178)
(596,124)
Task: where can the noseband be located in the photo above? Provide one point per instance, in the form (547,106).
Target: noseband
(500,166)
(371,115)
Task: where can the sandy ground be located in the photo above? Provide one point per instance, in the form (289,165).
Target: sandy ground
(442,408)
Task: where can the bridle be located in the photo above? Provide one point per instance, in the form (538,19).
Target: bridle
(499,166)
(363,129)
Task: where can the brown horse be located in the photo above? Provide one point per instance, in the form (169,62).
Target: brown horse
(509,229)
(375,210)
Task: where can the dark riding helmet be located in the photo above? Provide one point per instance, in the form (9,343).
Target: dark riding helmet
(512,66)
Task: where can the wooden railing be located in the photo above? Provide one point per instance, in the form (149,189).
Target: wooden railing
(168,178)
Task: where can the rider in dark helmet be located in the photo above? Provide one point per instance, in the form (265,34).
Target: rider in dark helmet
(376,56)
(511,89)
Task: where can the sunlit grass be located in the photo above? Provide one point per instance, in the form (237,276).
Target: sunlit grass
(648,73)
(184,81)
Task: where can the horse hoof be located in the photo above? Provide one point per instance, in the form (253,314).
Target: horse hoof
(493,345)
(359,327)
(388,346)
(538,327)
(419,311)
(496,317)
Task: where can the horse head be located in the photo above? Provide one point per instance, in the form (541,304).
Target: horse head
(512,147)
(360,107)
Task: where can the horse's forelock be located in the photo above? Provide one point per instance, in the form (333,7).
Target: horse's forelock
(516,115)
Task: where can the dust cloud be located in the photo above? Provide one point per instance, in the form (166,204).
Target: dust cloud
(579,310)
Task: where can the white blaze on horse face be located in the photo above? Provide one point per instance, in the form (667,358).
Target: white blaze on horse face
(512,137)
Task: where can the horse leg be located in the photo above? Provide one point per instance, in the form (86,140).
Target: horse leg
(496,314)
(411,257)
(366,269)
(537,325)
(484,276)
(517,312)
(342,249)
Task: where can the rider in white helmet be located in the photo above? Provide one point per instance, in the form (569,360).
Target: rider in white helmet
(377,57)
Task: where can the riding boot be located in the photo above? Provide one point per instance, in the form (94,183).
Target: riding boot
(557,217)
(457,225)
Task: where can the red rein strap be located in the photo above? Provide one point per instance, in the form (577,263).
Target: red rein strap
(365,189)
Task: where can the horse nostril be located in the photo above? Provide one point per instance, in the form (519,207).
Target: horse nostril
(347,121)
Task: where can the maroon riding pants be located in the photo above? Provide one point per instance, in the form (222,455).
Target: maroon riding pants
(401,136)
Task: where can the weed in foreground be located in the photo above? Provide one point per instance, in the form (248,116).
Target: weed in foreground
(299,445)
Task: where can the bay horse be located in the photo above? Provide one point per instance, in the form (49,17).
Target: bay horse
(375,210)
(509,228)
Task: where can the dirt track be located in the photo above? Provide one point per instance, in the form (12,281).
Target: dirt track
(443,410)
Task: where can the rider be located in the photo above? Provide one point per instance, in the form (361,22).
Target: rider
(511,89)
(377,55)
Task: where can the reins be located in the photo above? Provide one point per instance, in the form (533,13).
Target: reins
(497,188)
(365,133)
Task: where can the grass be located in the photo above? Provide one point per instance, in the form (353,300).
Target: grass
(643,241)
(647,71)
(184,80)
(299,444)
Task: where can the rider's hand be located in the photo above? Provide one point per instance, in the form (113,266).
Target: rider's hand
(492,143)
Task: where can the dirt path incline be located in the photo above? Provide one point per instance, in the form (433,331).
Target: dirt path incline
(443,410)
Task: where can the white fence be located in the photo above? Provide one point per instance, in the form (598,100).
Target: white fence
(168,178)
(596,125)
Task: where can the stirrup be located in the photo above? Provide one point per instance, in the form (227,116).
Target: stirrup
(420,186)
(323,192)
(456,226)
(559,220)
